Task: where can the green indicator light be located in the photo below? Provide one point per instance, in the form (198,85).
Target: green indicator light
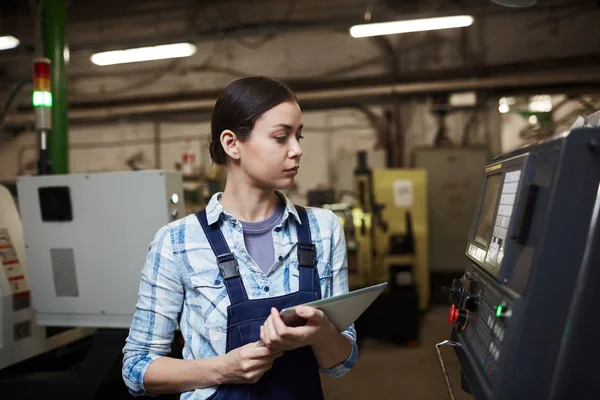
(47,99)
(42,99)
(499,310)
(38,99)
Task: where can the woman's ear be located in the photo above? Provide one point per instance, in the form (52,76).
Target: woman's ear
(230,144)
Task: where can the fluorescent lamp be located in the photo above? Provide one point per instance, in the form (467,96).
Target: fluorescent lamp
(411,25)
(161,52)
(540,103)
(8,42)
(503,108)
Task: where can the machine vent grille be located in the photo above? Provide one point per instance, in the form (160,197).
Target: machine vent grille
(63,271)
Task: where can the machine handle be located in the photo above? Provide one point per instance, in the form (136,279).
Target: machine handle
(441,361)
(525,215)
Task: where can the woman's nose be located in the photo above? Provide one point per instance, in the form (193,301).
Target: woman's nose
(295,150)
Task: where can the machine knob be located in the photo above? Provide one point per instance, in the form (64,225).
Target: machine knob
(470,284)
(456,291)
(472,303)
(458,316)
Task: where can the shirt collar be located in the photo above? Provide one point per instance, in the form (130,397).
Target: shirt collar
(214,209)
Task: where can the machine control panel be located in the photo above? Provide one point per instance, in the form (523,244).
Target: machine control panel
(527,256)
(481,316)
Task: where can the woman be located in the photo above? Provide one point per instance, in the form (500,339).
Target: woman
(224,273)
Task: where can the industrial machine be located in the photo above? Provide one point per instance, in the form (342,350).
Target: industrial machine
(455,175)
(21,338)
(523,314)
(389,243)
(391,228)
(86,238)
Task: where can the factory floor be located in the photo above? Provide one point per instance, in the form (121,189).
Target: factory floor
(386,371)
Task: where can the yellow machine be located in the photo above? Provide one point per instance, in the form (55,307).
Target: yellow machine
(402,195)
(360,250)
(391,229)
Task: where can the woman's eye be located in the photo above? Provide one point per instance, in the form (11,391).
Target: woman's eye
(280,139)
(299,137)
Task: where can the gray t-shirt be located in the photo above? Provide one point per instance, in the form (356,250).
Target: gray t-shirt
(258,237)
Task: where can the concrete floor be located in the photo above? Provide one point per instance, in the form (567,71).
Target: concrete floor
(390,372)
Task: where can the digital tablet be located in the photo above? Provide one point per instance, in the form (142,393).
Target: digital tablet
(341,310)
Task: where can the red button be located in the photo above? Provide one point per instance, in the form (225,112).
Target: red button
(452,315)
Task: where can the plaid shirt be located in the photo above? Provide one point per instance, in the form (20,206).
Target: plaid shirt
(181,278)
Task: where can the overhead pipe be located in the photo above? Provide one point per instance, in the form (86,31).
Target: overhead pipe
(338,97)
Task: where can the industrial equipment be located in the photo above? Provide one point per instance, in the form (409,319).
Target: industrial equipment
(86,240)
(199,187)
(20,337)
(391,228)
(390,244)
(454,177)
(523,314)
(42,104)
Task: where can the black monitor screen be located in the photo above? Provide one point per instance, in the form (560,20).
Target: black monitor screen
(485,225)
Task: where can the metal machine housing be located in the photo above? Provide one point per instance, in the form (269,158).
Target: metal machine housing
(511,316)
(86,242)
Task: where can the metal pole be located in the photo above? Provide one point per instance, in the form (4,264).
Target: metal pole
(157,145)
(43,166)
(55,35)
(443,367)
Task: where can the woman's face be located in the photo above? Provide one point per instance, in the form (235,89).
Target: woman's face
(271,155)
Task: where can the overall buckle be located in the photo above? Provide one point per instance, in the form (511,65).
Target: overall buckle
(228,265)
(307,255)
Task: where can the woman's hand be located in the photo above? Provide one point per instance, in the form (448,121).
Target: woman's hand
(317,331)
(247,364)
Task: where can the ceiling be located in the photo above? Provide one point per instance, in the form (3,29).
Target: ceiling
(96,25)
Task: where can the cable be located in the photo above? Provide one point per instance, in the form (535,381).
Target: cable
(37,38)
(268,37)
(10,100)
(141,83)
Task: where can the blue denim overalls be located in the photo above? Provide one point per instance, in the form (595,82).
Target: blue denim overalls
(294,375)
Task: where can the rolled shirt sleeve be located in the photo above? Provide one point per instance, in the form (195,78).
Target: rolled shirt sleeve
(160,299)
(339,266)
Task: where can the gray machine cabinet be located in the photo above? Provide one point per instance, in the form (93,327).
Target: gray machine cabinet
(455,176)
(86,271)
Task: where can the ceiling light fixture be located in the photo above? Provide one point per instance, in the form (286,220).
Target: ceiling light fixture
(515,3)
(161,52)
(411,25)
(8,42)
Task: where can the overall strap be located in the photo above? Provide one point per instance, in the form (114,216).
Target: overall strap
(226,261)
(307,256)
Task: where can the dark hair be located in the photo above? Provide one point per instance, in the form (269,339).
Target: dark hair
(238,107)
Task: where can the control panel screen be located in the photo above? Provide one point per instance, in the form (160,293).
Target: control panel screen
(485,225)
